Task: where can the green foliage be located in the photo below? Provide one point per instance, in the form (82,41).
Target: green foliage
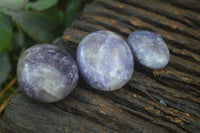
(55,14)
(14,5)
(18,38)
(4,67)
(38,26)
(41,5)
(71,11)
(5,32)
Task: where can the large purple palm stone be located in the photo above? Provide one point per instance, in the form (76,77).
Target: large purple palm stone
(47,73)
(105,60)
(149,49)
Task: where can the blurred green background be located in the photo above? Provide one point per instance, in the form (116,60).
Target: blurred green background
(24,23)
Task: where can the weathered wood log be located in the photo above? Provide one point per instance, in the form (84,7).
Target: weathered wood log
(166,100)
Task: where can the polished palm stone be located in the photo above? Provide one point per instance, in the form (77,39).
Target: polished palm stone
(149,49)
(47,73)
(105,60)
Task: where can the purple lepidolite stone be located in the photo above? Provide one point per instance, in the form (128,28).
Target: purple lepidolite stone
(149,49)
(105,60)
(47,73)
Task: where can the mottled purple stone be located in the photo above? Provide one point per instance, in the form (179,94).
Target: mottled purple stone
(149,49)
(47,73)
(105,60)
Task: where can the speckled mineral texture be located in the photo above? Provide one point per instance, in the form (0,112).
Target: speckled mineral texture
(149,49)
(105,60)
(47,73)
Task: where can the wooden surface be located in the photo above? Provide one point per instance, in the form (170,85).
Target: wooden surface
(154,101)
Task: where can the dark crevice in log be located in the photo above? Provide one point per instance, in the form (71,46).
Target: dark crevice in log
(184,65)
(108,26)
(166,119)
(86,115)
(90,28)
(179,86)
(185,54)
(181,78)
(192,5)
(139,112)
(180,46)
(149,85)
(140,92)
(133,11)
(170,98)
(163,8)
(164,125)
(171,104)
(114,96)
(101,115)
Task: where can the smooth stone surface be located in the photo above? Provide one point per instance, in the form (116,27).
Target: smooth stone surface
(105,60)
(47,73)
(149,49)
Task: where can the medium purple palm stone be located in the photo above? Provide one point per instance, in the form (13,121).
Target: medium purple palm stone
(47,73)
(149,49)
(105,60)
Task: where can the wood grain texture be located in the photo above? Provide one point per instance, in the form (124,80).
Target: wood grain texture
(166,100)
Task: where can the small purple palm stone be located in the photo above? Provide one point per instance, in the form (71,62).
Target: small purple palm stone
(105,60)
(47,73)
(149,49)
